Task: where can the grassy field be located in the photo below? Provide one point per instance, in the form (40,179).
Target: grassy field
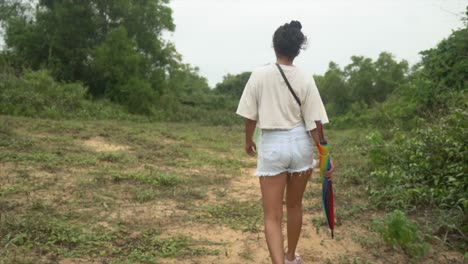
(133,192)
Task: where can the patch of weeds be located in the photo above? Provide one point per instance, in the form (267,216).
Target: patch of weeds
(313,207)
(118,177)
(41,206)
(112,157)
(189,193)
(244,216)
(6,128)
(145,195)
(208,178)
(451,227)
(47,233)
(365,241)
(318,222)
(221,193)
(355,260)
(165,179)
(100,177)
(350,211)
(247,253)
(156,178)
(397,230)
(149,246)
(311,193)
(79,159)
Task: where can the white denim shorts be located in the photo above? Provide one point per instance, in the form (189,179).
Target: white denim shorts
(284,151)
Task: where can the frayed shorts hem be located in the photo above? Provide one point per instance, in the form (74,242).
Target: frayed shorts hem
(270,174)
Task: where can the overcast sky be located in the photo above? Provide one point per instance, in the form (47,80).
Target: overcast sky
(232,36)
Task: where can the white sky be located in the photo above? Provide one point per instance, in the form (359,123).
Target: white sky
(232,36)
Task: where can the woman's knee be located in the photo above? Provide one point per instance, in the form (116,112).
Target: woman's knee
(276,217)
(293,205)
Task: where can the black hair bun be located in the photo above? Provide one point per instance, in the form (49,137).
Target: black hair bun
(288,39)
(295,24)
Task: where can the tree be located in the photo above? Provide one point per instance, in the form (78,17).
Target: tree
(68,37)
(233,85)
(332,87)
(114,61)
(389,74)
(360,79)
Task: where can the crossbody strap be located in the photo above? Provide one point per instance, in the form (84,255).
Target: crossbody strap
(288,84)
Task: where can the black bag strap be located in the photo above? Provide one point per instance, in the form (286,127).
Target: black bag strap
(288,84)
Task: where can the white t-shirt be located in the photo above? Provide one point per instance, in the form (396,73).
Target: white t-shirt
(267,99)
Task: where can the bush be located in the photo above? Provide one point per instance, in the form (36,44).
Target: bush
(427,166)
(37,94)
(424,168)
(397,230)
(139,97)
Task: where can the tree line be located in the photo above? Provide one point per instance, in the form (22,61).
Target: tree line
(114,48)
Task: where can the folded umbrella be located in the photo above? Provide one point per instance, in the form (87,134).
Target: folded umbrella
(327,187)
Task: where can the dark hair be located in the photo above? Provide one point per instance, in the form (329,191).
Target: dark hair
(288,39)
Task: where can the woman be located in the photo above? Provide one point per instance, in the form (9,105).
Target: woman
(287,122)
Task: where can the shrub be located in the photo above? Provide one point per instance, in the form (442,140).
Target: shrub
(427,166)
(397,230)
(37,94)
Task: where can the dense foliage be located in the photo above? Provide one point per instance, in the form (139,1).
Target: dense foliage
(37,94)
(418,116)
(361,84)
(233,85)
(114,48)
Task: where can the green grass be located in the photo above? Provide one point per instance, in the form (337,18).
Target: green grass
(63,199)
(245,216)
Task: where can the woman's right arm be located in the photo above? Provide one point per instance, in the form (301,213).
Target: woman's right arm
(315,136)
(250,146)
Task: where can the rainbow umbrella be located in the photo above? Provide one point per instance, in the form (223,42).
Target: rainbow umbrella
(327,187)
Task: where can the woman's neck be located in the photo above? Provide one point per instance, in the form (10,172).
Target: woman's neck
(284,61)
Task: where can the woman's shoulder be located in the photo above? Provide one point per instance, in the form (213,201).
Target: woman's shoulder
(264,69)
(269,70)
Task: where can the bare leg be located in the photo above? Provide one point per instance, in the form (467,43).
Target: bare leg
(272,197)
(296,185)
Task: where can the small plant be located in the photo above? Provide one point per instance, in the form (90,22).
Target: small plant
(155,178)
(112,157)
(168,180)
(237,215)
(398,230)
(317,221)
(145,195)
(149,246)
(221,193)
(247,253)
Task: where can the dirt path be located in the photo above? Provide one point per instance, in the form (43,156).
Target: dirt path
(314,247)
(353,243)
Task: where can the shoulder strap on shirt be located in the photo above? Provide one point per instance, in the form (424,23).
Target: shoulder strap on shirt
(288,84)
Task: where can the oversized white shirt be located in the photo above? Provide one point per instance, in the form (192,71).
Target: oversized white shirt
(267,99)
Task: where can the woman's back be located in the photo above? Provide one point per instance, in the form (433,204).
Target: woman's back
(267,99)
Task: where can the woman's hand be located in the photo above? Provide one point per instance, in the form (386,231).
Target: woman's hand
(250,148)
(329,173)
